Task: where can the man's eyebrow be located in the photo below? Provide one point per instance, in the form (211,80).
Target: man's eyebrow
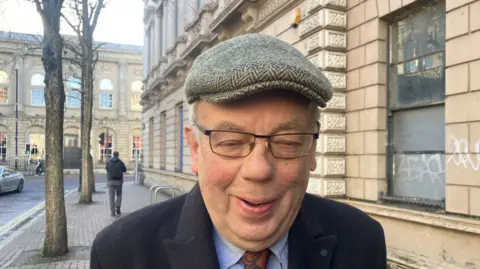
(293,125)
(289,126)
(228,126)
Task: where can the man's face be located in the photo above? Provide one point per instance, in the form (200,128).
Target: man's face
(228,183)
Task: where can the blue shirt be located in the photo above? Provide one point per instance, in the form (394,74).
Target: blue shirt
(229,256)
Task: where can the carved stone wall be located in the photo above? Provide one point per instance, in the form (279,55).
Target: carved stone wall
(324,28)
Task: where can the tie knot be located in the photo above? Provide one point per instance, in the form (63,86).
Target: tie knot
(256,260)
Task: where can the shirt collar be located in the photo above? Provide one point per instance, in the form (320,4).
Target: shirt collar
(228,254)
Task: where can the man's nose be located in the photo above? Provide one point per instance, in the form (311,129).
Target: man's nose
(258,165)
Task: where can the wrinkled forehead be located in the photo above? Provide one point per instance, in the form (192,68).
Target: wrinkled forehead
(278,106)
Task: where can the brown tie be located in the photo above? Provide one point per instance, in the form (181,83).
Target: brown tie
(256,260)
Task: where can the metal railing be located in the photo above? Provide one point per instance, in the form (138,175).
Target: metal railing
(155,188)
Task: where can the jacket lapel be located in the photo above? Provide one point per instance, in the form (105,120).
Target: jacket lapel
(308,246)
(193,245)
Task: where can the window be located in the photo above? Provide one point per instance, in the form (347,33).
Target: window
(137,86)
(135,102)
(106,101)
(3,147)
(37,145)
(73,92)
(179,138)
(37,92)
(416,112)
(163,140)
(150,142)
(106,84)
(105,149)
(4,85)
(135,97)
(136,147)
(71,141)
(201,3)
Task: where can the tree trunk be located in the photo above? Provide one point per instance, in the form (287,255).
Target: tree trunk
(87,162)
(56,241)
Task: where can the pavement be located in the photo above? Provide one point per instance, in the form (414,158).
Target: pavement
(22,246)
(14,206)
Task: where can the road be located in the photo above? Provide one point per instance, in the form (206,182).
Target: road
(13,205)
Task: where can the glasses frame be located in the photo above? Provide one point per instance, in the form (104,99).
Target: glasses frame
(267,143)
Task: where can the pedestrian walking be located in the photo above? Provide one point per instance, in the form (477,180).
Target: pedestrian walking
(115,169)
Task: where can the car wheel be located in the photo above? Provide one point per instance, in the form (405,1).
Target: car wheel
(20,186)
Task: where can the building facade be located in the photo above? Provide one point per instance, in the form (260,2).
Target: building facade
(400,138)
(116,110)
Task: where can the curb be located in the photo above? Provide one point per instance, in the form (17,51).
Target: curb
(25,220)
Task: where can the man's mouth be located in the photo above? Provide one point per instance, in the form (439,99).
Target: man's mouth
(255,207)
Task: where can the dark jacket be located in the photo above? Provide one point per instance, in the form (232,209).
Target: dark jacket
(115,168)
(177,234)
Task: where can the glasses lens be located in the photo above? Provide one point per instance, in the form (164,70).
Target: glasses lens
(231,144)
(291,146)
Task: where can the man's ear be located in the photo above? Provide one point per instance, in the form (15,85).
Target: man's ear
(313,161)
(193,146)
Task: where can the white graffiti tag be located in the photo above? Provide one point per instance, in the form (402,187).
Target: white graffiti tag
(461,155)
(422,167)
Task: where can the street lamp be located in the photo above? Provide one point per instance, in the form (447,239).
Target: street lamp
(16,119)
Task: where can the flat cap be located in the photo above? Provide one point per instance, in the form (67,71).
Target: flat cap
(251,64)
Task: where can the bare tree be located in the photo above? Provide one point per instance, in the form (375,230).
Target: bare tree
(86,13)
(56,240)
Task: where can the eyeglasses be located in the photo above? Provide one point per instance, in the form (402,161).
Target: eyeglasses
(235,144)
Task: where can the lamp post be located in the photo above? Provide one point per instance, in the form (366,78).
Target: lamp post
(16,119)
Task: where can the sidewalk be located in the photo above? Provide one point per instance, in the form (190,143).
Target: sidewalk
(83,222)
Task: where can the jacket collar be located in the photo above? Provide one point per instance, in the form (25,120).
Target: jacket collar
(193,245)
(309,246)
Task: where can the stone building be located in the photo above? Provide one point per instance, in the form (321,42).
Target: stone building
(400,139)
(116,109)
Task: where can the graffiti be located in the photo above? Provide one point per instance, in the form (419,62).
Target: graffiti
(461,155)
(422,167)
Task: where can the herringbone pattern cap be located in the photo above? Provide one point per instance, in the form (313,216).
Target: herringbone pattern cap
(251,64)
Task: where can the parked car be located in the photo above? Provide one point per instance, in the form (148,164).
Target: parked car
(10,180)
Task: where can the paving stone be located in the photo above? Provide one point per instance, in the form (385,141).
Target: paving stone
(83,224)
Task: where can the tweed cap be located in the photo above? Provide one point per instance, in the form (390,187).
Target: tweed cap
(254,63)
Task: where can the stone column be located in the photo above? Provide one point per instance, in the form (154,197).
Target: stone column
(122,82)
(165,24)
(325,29)
(158,37)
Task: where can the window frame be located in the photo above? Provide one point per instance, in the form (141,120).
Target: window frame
(389,196)
(3,136)
(5,85)
(100,101)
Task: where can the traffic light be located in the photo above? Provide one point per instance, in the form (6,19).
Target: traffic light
(101,139)
(27,148)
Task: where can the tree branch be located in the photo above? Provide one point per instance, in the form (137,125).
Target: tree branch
(97,14)
(40,10)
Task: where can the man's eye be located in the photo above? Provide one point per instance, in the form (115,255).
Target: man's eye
(230,143)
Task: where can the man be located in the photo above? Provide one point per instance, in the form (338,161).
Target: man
(115,169)
(252,141)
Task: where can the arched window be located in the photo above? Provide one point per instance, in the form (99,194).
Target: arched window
(38,90)
(106,144)
(4,85)
(3,144)
(137,144)
(73,92)
(137,86)
(106,98)
(106,84)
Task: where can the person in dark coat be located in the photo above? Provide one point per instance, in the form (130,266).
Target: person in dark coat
(253,136)
(115,169)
